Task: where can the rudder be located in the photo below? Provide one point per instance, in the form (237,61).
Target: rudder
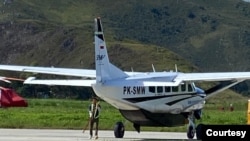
(104,69)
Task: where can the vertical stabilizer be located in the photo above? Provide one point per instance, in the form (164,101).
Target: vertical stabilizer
(104,69)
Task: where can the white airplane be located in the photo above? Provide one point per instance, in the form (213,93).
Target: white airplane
(163,99)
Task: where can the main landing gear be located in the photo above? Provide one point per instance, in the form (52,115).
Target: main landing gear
(119,130)
(192,129)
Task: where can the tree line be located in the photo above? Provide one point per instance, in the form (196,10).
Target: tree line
(43,91)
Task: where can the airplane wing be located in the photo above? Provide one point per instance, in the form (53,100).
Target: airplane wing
(214,76)
(70,82)
(86,73)
(176,78)
(229,78)
(179,77)
(51,70)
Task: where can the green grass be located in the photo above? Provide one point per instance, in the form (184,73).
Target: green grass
(73,114)
(57,114)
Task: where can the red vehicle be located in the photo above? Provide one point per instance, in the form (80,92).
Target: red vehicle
(9,98)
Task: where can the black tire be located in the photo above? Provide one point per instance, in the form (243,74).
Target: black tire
(190,132)
(199,131)
(119,130)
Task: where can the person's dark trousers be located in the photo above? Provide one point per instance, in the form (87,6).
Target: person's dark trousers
(96,121)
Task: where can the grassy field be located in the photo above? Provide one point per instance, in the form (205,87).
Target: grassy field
(73,114)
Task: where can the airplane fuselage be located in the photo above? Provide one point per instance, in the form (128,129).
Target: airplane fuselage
(146,105)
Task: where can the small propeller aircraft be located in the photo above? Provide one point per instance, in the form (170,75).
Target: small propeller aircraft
(9,79)
(163,99)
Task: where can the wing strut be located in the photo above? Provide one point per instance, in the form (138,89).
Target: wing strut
(221,87)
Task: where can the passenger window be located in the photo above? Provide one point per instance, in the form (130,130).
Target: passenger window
(167,89)
(152,89)
(159,89)
(175,89)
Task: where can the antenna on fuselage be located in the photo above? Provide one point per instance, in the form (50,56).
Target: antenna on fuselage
(153,67)
(176,69)
(132,70)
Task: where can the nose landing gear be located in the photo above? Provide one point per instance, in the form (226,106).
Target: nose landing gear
(192,129)
(191,126)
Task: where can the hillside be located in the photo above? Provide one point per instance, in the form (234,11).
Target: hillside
(64,27)
(195,35)
(61,34)
(214,35)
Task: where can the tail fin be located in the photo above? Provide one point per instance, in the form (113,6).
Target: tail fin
(104,69)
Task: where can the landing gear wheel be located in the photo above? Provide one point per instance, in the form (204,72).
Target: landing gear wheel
(199,131)
(119,130)
(190,132)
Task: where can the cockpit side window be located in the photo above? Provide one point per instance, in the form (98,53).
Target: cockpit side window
(190,88)
(183,87)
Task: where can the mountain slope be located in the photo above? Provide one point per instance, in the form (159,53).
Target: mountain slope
(60,33)
(208,28)
(214,35)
